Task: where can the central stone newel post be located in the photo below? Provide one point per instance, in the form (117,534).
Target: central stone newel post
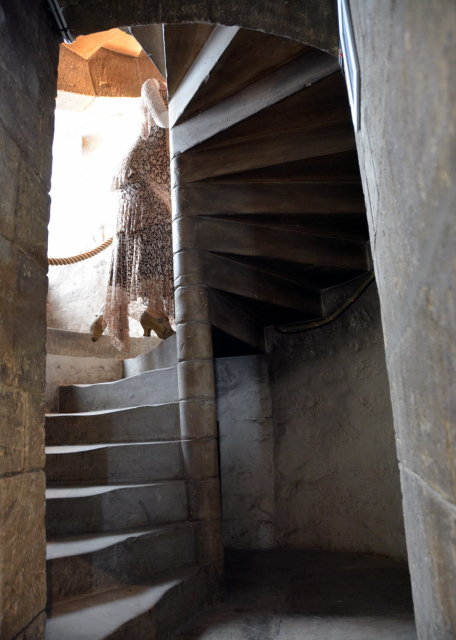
(197,396)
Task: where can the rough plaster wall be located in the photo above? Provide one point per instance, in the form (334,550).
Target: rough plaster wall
(28,76)
(407,150)
(246,451)
(337,477)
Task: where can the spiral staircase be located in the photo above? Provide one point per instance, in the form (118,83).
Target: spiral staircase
(270,210)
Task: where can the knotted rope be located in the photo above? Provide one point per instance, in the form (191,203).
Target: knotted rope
(81,256)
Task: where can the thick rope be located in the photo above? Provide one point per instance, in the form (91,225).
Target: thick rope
(82,256)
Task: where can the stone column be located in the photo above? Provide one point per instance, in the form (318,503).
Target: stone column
(197,399)
(28,57)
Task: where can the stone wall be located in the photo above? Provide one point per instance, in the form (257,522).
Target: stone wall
(28,61)
(246,433)
(407,150)
(307,448)
(337,477)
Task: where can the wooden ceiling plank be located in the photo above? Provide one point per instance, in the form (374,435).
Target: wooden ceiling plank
(183,43)
(308,68)
(234,321)
(299,144)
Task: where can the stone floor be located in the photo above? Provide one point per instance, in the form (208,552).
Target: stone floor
(308,595)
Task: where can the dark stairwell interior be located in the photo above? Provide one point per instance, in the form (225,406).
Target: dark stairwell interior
(270,219)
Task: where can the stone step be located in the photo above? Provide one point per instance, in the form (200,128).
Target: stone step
(162,357)
(81,510)
(80,565)
(135,463)
(147,611)
(133,424)
(150,387)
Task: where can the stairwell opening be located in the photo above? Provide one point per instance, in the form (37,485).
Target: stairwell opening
(306,441)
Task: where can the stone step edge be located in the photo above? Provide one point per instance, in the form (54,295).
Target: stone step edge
(89,414)
(117,382)
(101,489)
(179,575)
(112,539)
(82,448)
(168,600)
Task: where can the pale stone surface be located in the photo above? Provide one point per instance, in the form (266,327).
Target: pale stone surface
(406,146)
(246,451)
(71,343)
(337,477)
(27,86)
(432,519)
(22,544)
(35,630)
(65,370)
(302,595)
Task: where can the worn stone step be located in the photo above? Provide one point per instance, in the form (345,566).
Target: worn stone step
(162,357)
(135,463)
(80,565)
(133,424)
(146,611)
(150,387)
(80,510)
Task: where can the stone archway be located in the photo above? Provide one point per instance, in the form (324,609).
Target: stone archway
(407,116)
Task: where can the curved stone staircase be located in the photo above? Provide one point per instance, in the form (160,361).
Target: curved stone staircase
(269,212)
(269,228)
(121,555)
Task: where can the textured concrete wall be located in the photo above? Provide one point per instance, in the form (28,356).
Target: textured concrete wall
(246,451)
(28,68)
(407,149)
(337,476)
